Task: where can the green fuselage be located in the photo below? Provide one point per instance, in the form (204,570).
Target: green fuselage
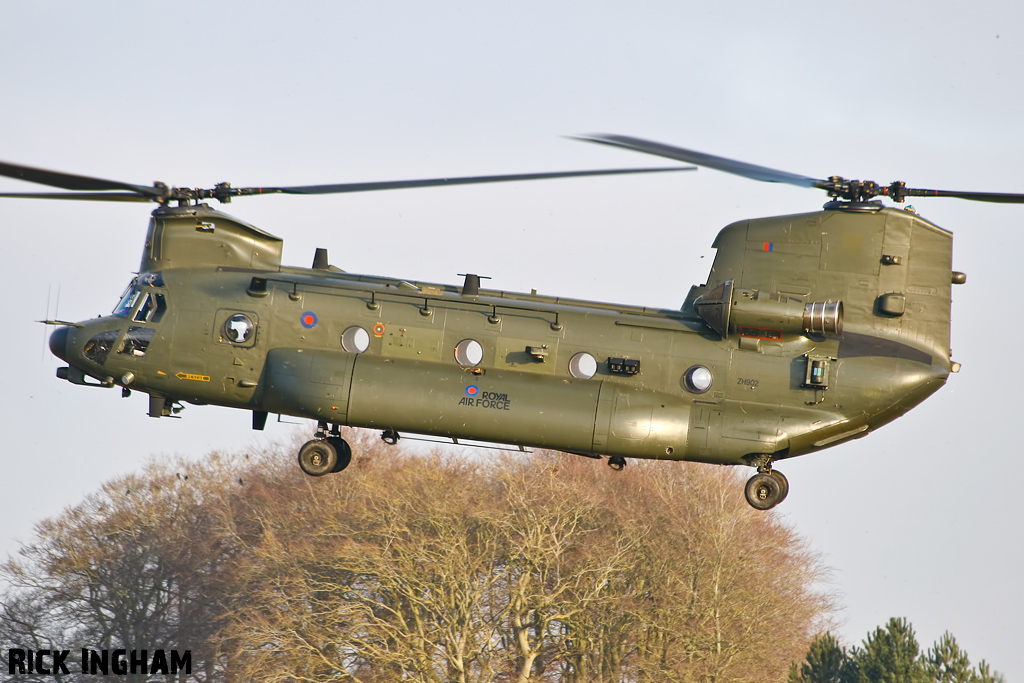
(305,356)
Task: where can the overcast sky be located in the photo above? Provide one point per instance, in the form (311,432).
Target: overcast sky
(918,520)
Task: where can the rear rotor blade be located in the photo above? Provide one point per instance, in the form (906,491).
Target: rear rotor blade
(438,182)
(837,187)
(740,168)
(69,181)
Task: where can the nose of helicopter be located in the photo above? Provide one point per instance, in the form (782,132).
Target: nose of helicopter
(59,343)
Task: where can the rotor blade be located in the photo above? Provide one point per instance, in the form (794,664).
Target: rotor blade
(68,181)
(81,196)
(1000,197)
(769,175)
(437,182)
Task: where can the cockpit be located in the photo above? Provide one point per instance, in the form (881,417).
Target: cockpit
(142,304)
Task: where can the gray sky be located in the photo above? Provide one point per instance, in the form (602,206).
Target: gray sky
(918,520)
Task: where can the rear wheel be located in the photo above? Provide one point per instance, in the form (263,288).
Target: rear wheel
(763,491)
(318,457)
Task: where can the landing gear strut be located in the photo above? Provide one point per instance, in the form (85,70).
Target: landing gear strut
(325,453)
(766,489)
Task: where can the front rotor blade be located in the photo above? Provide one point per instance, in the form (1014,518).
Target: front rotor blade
(81,196)
(68,181)
(740,168)
(437,182)
(999,197)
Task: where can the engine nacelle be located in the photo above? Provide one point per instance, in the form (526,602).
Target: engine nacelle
(753,313)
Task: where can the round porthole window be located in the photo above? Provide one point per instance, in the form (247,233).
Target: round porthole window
(582,366)
(355,339)
(697,379)
(468,352)
(239,328)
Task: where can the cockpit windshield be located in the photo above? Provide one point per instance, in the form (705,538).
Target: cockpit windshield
(128,299)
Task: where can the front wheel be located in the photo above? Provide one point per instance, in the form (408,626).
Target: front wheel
(318,457)
(763,491)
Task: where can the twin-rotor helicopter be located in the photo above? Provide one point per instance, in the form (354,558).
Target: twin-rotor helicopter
(811,330)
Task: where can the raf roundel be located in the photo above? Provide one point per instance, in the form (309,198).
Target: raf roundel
(308,320)
(472,390)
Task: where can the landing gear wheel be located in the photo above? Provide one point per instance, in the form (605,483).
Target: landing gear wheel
(617,462)
(783,484)
(343,450)
(763,491)
(318,457)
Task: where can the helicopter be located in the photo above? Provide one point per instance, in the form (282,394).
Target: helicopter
(810,330)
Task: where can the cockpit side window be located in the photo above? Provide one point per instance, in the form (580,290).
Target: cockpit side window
(152,308)
(158,311)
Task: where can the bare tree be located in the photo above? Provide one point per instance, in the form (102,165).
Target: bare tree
(708,581)
(562,556)
(385,573)
(134,566)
